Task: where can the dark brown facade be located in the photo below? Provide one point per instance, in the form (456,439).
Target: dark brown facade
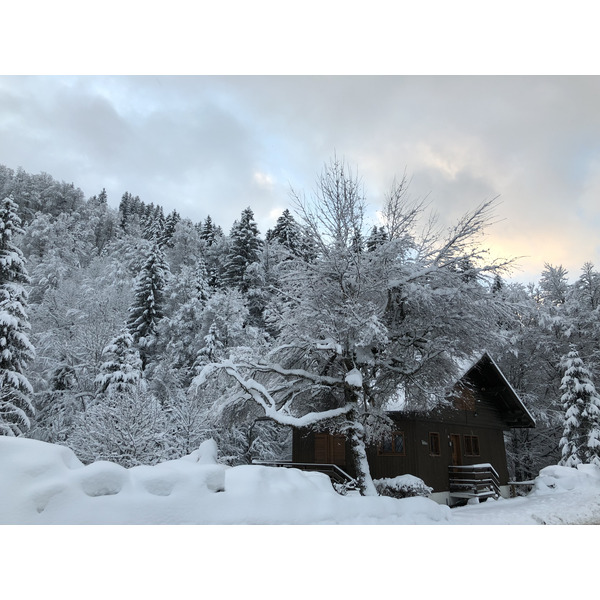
(469,431)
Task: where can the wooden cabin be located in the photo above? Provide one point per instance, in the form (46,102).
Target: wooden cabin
(457,450)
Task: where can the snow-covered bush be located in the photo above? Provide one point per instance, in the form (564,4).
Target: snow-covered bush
(126,428)
(403,486)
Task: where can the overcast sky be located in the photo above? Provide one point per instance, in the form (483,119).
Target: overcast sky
(216,144)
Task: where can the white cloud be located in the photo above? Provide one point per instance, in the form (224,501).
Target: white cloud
(263,180)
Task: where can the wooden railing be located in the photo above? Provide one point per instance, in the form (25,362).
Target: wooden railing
(474,481)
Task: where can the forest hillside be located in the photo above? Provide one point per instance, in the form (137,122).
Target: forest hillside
(138,334)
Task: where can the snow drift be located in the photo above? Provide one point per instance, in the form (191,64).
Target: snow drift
(47,484)
(44,483)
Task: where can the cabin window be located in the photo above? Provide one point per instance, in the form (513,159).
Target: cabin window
(471,445)
(393,444)
(434,444)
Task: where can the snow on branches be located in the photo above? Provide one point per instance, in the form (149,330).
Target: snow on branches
(15,349)
(580,442)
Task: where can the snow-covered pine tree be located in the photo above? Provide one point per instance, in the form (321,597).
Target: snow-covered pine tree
(125,423)
(122,370)
(154,225)
(125,209)
(211,350)
(15,348)
(286,232)
(147,308)
(209,232)
(377,237)
(169,229)
(580,442)
(243,250)
(180,332)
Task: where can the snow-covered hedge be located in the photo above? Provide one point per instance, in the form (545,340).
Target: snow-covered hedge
(403,486)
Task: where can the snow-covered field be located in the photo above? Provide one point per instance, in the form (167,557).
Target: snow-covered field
(46,484)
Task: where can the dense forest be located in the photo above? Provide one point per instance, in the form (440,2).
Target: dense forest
(133,335)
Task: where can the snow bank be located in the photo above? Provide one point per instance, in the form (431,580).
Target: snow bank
(560,496)
(559,479)
(46,484)
(43,483)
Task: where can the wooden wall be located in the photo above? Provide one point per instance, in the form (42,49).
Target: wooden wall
(433,470)
(476,410)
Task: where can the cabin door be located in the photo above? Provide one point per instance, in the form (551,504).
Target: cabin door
(330,449)
(456,453)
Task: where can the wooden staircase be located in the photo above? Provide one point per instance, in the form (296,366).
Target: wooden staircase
(474,481)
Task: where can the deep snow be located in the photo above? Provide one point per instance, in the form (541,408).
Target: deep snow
(46,484)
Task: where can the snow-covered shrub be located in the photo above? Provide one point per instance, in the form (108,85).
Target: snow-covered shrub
(403,486)
(126,428)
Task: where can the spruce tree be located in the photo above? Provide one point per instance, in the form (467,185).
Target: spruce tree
(125,209)
(286,232)
(377,237)
(15,349)
(243,251)
(580,442)
(165,237)
(207,231)
(211,350)
(147,308)
(122,370)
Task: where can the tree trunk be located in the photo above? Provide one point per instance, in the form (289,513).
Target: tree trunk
(359,457)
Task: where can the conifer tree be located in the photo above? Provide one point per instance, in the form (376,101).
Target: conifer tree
(165,237)
(377,237)
(286,232)
(103,197)
(212,347)
(207,231)
(122,370)
(243,251)
(125,209)
(147,308)
(580,442)
(15,347)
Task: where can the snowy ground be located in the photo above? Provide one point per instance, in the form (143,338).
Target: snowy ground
(46,484)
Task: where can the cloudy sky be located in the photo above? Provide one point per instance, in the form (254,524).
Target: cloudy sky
(217,144)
